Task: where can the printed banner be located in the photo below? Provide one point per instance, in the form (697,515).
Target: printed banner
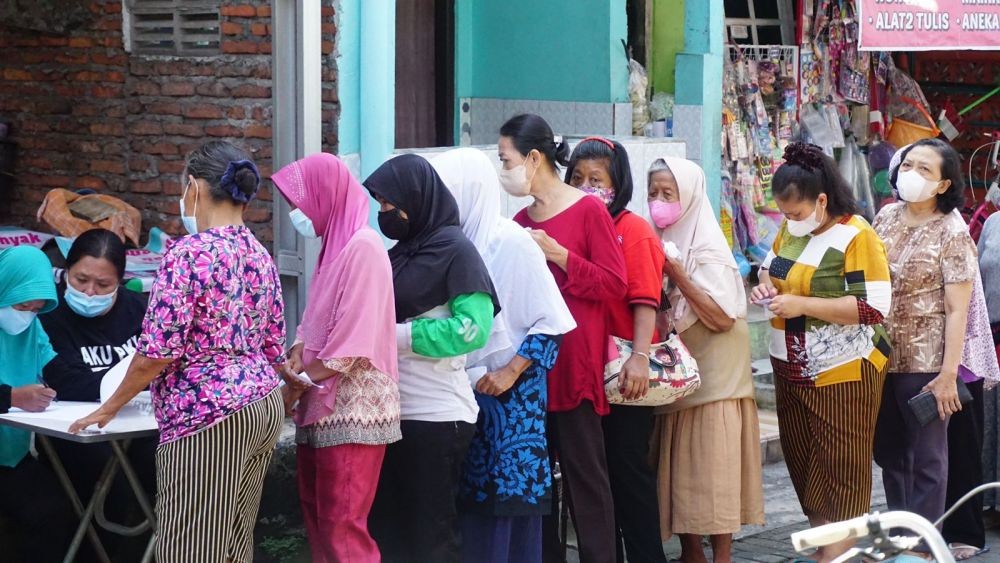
(929,25)
(138,261)
(13,236)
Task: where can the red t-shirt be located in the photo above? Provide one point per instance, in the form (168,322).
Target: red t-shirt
(644,260)
(593,280)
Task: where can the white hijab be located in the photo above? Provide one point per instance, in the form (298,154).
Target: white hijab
(701,243)
(530,300)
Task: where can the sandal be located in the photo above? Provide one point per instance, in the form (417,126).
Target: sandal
(962,551)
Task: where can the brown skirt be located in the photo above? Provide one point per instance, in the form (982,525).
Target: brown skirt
(827,434)
(708,468)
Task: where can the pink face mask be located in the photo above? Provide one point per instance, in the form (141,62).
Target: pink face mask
(664,214)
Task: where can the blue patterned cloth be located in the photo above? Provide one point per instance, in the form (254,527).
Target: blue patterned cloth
(507,468)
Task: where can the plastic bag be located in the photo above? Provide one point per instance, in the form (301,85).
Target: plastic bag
(56,211)
(854,168)
(662,106)
(816,124)
(638,85)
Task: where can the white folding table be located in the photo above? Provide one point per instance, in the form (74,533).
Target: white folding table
(130,424)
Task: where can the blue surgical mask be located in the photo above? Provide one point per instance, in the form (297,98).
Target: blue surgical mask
(89,305)
(190,223)
(15,322)
(302,224)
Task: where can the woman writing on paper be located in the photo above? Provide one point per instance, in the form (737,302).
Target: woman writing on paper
(30,495)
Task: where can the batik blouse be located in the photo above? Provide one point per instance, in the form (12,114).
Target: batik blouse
(215,310)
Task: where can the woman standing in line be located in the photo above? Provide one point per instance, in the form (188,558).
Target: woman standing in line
(578,238)
(346,345)
(826,281)
(601,168)
(933,262)
(506,484)
(211,347)
(709,442)
(445,304)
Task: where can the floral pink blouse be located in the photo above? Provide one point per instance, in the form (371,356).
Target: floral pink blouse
(216,311)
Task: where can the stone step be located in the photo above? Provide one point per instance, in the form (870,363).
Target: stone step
(770,445)
(763,384)
(760,331)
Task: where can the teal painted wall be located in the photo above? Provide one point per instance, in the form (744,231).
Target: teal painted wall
(349,76)
(366,84)
(699,70)
(667,42)
(560,50)
(618,60)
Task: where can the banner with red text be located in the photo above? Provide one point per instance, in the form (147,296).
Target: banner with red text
(929,25)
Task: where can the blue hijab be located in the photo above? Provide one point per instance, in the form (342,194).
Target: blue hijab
(25,275)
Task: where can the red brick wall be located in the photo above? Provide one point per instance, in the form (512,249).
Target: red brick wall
(87,114)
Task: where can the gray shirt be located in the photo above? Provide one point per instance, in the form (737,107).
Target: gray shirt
(989,265)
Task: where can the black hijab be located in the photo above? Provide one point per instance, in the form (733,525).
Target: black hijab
(435,262)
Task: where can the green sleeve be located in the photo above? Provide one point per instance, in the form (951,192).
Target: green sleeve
(467,328)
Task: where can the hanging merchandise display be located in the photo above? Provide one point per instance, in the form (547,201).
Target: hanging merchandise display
(855,103)
(760,99)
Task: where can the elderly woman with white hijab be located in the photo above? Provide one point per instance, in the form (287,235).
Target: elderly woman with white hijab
(707,446)
(506,485)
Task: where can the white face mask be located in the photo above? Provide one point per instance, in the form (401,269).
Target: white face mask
(914,188)
(993,195)
(14,322)
(515,181)
(805,226)
(190,222)
(302,223)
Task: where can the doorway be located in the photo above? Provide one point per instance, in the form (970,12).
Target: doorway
(425,73)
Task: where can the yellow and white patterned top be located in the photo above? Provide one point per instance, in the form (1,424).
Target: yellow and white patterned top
(846,259)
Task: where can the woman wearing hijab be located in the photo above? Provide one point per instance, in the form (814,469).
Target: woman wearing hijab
(346,345)
(445,304)
(709,443)
(506,484)
(30,495)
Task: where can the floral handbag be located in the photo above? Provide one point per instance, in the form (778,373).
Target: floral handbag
(673,372)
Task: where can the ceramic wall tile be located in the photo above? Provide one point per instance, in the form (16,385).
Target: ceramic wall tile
(622,120)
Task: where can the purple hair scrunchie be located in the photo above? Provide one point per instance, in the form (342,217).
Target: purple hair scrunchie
(228,180)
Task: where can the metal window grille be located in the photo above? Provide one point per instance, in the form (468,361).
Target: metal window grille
(748,30)
(174,27)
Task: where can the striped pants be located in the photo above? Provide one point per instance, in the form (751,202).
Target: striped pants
(208,486)
(827,436)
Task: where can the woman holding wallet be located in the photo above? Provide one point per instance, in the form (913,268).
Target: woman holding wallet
(933,264)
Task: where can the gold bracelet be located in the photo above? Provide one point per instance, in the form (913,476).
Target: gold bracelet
(643,354)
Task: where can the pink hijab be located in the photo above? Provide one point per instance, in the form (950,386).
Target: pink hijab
(350,311)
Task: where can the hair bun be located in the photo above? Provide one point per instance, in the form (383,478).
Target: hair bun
(241,180)
(562,150)
(806,155)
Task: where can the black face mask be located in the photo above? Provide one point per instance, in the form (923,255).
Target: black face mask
(393,225)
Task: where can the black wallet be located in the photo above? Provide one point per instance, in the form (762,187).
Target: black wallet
(924,405)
